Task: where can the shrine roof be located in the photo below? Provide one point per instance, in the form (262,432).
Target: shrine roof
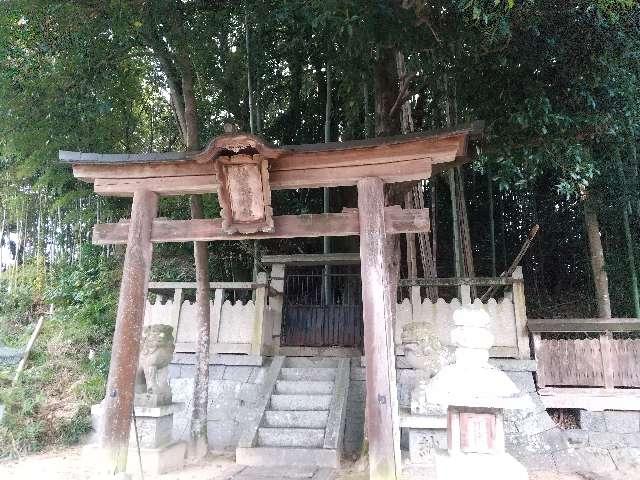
(221,143)
(402,158)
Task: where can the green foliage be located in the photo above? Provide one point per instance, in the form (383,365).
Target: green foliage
(67,369)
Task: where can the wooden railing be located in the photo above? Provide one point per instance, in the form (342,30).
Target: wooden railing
(597,360)
(237,327)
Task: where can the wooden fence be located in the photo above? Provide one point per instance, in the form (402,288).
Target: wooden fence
(597,360)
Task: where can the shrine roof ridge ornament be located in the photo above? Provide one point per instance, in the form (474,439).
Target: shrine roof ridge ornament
(245,143)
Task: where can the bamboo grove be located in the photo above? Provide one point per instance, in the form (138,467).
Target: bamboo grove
(556,84)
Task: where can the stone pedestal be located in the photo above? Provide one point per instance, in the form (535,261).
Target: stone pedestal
(154,427)
(426,435)
(475,394)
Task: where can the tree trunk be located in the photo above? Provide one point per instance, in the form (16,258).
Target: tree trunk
(198,445)
(199,442)
(492,224)
(600,278)
(386,92)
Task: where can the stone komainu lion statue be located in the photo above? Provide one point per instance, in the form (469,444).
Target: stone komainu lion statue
(152,378)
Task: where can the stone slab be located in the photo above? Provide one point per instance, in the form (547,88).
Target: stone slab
(606,440)
(523,380)
(293,457)
(577,437)
(466,466)
(586,459)
(514,365)
(626,458)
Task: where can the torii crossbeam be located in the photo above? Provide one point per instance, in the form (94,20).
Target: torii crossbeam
(242,169)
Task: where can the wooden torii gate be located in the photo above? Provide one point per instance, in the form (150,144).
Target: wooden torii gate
(242,169)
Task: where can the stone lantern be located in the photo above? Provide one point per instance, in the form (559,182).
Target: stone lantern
(475,394)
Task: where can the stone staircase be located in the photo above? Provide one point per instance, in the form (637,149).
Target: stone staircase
(300,417)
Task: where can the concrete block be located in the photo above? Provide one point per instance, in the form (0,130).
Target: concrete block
(291,437)
(577,437)
(622,422)
(300,402)
(523,380)
(592,421)
(606,440)
(588,459)
(238,374)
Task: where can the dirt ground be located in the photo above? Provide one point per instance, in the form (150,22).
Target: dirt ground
(69,464)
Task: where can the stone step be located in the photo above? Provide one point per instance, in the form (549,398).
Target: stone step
(311,362)
(295,418)
(300,402)
(291,437)
(290,457)
(304,386)
(308,373)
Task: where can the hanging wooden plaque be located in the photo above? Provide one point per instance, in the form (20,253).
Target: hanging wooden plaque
(244,193)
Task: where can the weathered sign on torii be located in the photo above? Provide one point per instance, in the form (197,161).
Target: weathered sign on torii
(242,169)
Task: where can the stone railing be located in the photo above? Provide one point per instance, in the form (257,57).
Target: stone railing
(237,327)
(508,314)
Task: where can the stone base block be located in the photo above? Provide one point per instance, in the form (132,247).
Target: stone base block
(465,466)
(155,461)
(423,443)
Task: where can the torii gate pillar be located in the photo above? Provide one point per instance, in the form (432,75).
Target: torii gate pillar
(126,338)
(377,312)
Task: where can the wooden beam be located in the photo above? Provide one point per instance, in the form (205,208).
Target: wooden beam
(286,226)
(126,338)
(583,325)
(312,259)
(392,172)
(377,312)
(457,281)
(212,285)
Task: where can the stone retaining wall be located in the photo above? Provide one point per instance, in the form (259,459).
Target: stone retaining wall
(233,392)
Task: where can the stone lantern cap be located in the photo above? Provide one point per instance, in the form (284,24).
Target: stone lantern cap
(471,381)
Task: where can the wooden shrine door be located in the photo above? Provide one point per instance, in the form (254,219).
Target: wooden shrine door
(322,310)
